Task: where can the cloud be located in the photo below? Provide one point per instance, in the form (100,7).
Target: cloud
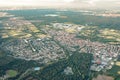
(62,3)
(68,1)
(26,2)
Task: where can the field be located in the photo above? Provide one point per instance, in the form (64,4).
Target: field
(11,73)
(94,33)
(118,63)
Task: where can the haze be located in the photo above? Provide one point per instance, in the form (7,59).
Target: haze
(62,3)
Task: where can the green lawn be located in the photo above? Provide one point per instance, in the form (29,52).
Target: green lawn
(11,73)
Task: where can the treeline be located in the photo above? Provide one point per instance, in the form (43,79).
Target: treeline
(79,62)
(9,63)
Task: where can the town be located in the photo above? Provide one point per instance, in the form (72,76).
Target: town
(104,54)
(49,48)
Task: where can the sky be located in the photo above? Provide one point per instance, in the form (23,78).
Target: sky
(62,3)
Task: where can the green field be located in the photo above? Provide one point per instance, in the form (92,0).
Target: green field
(11,73)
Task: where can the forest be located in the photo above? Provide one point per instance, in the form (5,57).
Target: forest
(70,16)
